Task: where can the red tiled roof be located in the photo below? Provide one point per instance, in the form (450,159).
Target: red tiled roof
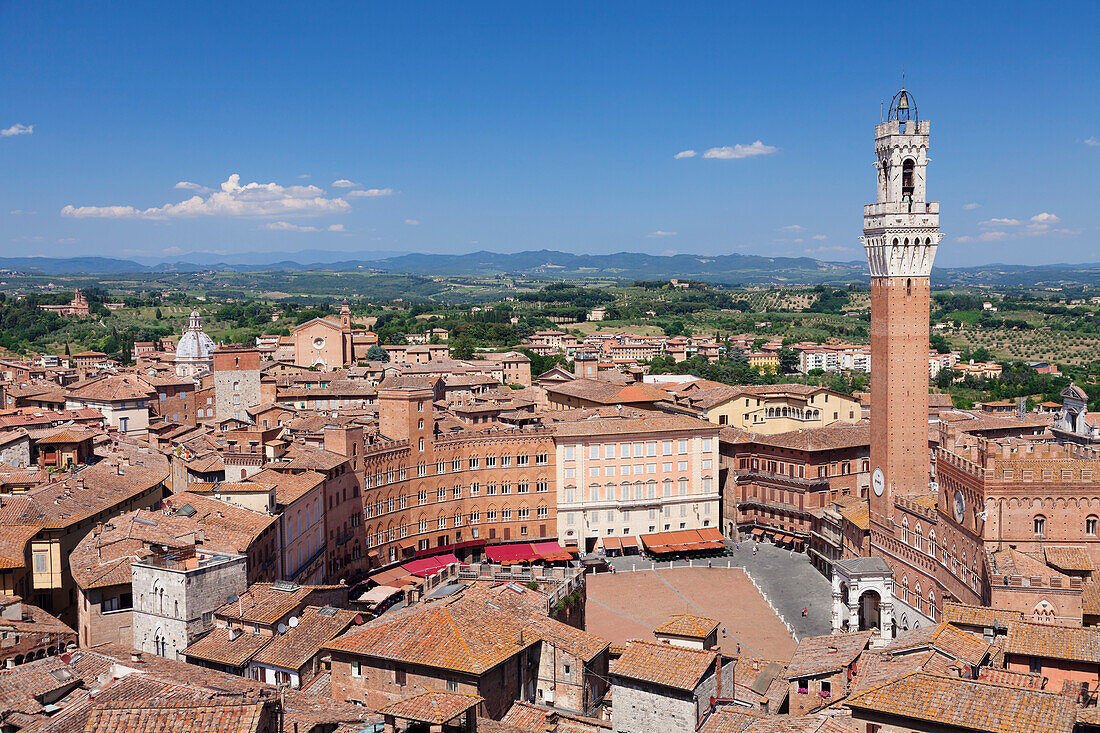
(688,625)
(432,707)
(664,664)
(186,716)
(966,704)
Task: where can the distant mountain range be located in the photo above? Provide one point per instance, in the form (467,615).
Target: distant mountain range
(550,264)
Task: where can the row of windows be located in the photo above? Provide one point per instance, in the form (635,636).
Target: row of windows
(798,469)
(1039,524)
(397,503)
(914,599)
(457,520)
(627,491)
(392,475)
(635,450)
(637,469)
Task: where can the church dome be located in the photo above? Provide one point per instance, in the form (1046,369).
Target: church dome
(195,344)
(903,107)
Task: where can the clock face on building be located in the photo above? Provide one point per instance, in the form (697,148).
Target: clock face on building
(960,506)
(878,482)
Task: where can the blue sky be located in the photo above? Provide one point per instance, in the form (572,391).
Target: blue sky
(463,126)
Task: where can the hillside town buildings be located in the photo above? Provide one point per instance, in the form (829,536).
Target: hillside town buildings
(289,536)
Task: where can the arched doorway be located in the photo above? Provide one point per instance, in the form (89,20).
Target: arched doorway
(870,604)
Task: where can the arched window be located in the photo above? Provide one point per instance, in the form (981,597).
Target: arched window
(1090,525)
(905,587)
(907,179)
(916,596)
(160,644)
(1040,525)
(932,605)
(932,542)
(905,530)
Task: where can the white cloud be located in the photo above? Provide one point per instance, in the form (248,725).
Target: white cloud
(412,222)
(189,186)
(791,228)
(1092,142)
(250,200)
(685,154)
(303,175)
(17,130)
(286,226)
(345,183)
(22,212)
(370,193)
(1038,225)
(68,240)
(971,206)
(740,151)
(820,237)
(659,234)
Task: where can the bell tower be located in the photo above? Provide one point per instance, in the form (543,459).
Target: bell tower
(901,232)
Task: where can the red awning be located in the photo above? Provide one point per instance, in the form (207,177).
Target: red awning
(511,554)
(758,531)
(630,542)
(425,566)
(389,577)
(691,540)
(612,543)
(552,551)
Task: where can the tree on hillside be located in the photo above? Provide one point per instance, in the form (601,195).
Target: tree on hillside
(377,353)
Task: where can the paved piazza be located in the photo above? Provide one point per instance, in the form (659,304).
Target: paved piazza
(628,605)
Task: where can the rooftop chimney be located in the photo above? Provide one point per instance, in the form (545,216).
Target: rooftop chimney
(135,655)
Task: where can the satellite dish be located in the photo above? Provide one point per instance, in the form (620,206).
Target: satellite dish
(233,598)
(293,621)
(281,628)
(358,619)
(66,658)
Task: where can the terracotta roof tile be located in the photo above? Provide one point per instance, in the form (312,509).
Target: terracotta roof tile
(817,655)
(432,707)
(946,639)
(104,559)
(187,716)
(316,627)
(1068,558)
(230,647)
(664,664)
(1054,642)
(63,503)
(964,615)
(688,625)
(979,706)
(13,544)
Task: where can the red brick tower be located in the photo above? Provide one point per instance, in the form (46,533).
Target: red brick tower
(900,233)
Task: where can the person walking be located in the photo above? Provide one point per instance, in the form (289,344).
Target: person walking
(754,548)
(804,612)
